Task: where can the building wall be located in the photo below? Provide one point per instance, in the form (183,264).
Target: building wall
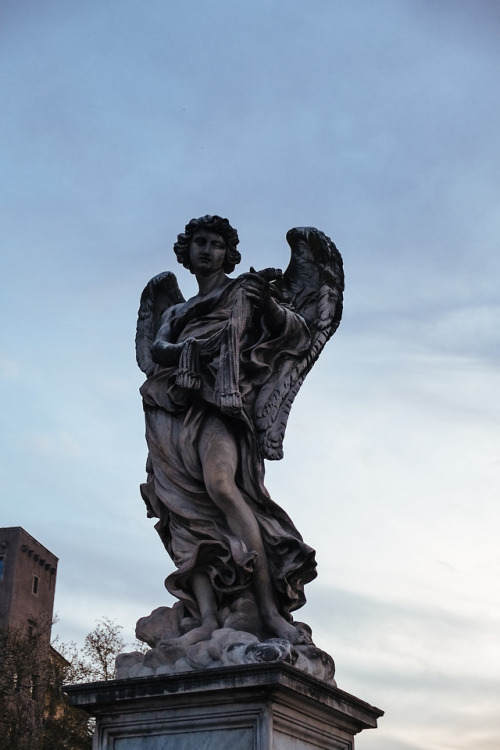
(28,573)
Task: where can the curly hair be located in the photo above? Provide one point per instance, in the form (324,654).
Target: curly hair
(215,224)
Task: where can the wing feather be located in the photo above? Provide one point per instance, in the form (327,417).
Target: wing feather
(313,284)
(158,295)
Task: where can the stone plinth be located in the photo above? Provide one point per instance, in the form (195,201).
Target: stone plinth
(252,707)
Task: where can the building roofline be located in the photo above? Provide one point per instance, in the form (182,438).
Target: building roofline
(35,541)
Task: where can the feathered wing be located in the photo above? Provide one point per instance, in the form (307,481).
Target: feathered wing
(159,294)
(313,286)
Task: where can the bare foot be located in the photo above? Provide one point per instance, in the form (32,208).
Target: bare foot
(280,628)
(196,635)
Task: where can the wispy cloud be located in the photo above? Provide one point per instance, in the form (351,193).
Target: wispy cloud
(378,124)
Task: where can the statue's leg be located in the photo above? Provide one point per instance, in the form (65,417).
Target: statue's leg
(207,605)
(219,458)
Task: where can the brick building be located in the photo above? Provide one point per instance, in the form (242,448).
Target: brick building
(27,580)
(31,670)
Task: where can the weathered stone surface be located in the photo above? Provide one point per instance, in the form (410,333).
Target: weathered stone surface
(224,647)
(275,649)
(223,369)
(255,707)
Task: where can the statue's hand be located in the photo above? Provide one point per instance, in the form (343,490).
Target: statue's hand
(164,353)
(258,290)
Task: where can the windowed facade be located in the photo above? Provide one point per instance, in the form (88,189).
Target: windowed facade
(33,687)
(27,582)
(27,579)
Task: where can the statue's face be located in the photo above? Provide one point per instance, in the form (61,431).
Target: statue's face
(207,252)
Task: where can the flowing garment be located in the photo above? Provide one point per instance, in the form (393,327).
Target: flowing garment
(249,359)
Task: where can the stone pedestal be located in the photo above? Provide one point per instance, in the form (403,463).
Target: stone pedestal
(252,707)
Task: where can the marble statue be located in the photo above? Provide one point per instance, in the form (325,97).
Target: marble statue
(222,371)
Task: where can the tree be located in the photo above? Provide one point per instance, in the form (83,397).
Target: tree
(101,648)
(33,712)
(20,664)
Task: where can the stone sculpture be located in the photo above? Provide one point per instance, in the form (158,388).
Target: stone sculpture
(222,371)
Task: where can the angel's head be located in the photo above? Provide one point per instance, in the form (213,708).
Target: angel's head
(215,225)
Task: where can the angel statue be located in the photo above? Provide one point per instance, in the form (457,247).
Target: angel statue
(222,371)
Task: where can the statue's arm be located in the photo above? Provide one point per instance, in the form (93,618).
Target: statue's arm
(258,290)
(164,351)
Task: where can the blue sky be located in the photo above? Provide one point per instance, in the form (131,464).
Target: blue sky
(377,122)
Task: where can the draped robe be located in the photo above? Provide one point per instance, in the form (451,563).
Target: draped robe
(249,358)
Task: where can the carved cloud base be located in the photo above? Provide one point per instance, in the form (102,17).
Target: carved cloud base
(177,646)
(254,707)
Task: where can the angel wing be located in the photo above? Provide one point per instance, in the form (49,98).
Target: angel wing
(159,294)
(313,285)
